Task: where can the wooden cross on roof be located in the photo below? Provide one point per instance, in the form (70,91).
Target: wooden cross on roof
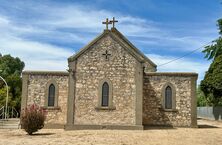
(107,22)
(113,22)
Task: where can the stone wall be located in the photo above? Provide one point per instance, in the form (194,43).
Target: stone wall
(91,69)
(36,91)
(153,110)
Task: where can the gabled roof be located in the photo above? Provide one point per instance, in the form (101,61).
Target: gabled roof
(122,40)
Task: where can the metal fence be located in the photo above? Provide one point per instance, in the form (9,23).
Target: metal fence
(213,113)
(10,112)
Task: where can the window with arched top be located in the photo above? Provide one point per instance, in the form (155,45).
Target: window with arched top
(51,95)
(168,97)
(105,94)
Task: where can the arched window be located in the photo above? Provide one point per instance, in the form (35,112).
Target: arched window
(105,94)
(168,97)
(51,95)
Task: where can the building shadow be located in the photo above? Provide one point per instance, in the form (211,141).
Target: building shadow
(206,126)
(154,117)
(157,127)
(42,134)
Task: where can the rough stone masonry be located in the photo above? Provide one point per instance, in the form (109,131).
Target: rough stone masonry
(111,69)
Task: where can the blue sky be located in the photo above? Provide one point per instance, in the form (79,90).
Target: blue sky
(45,33)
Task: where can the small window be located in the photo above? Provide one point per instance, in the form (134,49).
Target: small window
(51,95)
(105,94)
(168,97)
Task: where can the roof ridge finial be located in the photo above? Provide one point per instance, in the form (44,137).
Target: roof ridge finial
(107,22)
(113,22)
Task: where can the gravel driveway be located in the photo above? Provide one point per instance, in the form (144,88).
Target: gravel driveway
(208,133)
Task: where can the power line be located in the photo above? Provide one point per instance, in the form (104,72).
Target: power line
(184,55)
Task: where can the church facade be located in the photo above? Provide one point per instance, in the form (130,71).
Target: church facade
(110,84)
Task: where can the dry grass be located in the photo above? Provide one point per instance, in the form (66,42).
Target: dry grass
(209,133)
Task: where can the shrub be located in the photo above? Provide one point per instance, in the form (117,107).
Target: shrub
(32,118)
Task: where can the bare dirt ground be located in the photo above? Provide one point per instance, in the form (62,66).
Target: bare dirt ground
(208,133)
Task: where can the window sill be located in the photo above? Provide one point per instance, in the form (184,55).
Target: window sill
(105,108)
(52,108)
(168,110)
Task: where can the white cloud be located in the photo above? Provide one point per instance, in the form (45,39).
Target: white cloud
(50,24)
(19,45)
(181,65)
(89,19)
(37,56)
(3,21)
(51,19)
(71,24)
(46,64)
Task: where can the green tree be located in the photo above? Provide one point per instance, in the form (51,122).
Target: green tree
(215,49)
(3,97)
(11,69)
(220,26)
(212,83)
(201,99)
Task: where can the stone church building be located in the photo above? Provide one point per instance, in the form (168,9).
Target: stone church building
(110,84)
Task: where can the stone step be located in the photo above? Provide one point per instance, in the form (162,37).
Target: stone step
(11,123)
(6,123)
(10,119)
(10,127)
